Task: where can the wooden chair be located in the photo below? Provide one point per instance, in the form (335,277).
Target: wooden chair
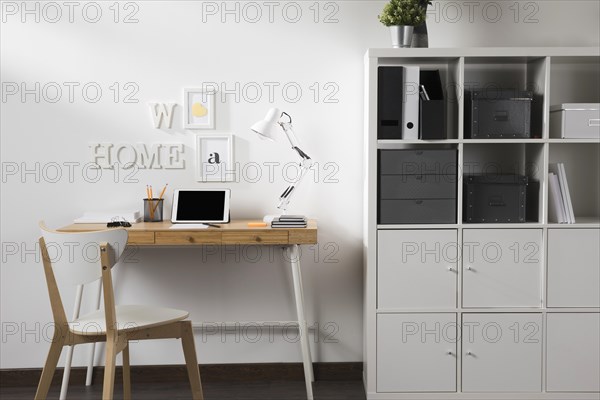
(80,258)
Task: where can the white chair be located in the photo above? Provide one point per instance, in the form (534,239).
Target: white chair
(80,258)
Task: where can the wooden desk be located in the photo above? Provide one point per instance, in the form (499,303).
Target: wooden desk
(235,233)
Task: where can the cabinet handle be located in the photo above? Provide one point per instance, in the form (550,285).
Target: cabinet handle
(451,269)
(449,352)
(469,353)
(469,268)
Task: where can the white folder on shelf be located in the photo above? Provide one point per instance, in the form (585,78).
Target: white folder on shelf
(559,170)
(556,208)
(565,187)
(410,103)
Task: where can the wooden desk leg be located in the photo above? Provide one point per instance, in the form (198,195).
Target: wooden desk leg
(299,297)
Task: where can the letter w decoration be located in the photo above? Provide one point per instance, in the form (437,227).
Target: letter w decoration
(162,113)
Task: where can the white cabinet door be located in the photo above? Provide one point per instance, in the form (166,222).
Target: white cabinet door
(502,267)
(573,352)
(502,352)
(416,352)
(573,268)
(417,268)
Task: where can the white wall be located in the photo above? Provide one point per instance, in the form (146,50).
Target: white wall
(168,49)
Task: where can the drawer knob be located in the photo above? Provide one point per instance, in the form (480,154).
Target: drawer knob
(258,239)
(190,239)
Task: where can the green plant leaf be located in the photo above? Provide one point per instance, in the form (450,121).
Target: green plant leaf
(404,12)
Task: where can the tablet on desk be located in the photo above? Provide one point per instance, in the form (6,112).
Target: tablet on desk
(196,206)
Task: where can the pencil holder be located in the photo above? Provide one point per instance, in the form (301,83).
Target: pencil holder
(153,210)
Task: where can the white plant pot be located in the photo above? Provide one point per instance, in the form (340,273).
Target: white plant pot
(401,35)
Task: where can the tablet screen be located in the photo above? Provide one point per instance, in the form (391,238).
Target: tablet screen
(201,206)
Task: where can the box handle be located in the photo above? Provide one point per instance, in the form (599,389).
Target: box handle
(501,116)
(496,201)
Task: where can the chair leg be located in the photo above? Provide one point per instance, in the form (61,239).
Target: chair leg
(66,373)
(109,369)
(126,374)
(189,352)
(50,366)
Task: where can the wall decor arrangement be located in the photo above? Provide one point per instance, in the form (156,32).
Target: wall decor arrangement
(162,114)
(214,158)
(199,110)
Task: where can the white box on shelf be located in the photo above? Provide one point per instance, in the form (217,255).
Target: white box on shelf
(575,121)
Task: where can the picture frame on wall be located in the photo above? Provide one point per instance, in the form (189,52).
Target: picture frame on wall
(214,158)
(199,110)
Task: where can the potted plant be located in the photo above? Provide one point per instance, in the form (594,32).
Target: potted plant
(402,16)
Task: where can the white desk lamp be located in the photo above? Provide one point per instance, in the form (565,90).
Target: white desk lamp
(268,128)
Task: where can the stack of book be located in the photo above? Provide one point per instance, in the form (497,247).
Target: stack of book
(560,207)
(289,221)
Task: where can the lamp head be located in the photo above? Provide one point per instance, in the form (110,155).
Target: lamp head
(267,128)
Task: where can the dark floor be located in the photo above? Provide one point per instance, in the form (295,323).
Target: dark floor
(288,390)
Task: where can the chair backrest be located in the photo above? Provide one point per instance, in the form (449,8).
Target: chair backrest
(75,259)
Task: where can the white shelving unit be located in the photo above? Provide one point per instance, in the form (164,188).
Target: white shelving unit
(446,315)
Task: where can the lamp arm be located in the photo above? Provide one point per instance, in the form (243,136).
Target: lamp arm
(305,164)
(286,196)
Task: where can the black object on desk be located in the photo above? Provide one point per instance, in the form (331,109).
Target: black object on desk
(118,224)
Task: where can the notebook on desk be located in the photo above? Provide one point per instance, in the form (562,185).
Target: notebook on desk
(197,206)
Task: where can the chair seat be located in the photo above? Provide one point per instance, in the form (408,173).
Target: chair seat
(129,317)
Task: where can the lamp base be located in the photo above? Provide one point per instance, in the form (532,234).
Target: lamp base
(269,218)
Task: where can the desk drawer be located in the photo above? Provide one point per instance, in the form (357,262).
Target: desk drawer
(187,237)
(140,238)
(266,237)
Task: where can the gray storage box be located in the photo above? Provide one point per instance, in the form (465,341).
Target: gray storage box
(575,121)
(505,114)
(495,198)
(417,186)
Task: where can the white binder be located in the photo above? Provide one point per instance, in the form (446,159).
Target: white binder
(410,104)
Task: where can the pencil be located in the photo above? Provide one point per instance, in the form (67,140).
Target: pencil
(163,191)
(151,202)
(160,197)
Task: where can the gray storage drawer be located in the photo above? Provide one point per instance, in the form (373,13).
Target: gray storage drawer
(427,211)
(417,186)
(418,162)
